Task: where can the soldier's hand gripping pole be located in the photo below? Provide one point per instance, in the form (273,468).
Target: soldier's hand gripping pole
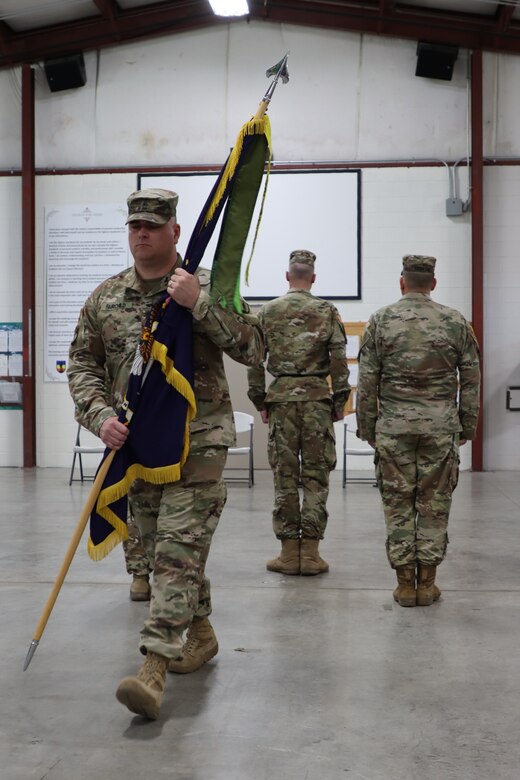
(69,555)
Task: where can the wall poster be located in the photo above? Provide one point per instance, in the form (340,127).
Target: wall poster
(84,244)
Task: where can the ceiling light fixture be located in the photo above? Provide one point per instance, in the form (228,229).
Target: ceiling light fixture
(229,7)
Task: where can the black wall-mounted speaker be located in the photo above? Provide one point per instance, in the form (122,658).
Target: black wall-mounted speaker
(65,72)
(435,60)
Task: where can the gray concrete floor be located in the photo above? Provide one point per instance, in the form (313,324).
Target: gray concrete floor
(317,678)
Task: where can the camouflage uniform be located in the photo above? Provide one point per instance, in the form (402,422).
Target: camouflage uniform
(305,343)
(416,358)
(176,520)
(136,558)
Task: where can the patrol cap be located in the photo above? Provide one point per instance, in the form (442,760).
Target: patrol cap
(302,256)
(419,264)
(153,205)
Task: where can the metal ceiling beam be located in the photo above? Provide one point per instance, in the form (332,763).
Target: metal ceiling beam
(377,17)
(99,32)
(385,7)
(108,8)
(471,31)
(6,34)
(504,16)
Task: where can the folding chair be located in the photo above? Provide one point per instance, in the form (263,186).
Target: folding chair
(358,451)
(95,447)
(244,423)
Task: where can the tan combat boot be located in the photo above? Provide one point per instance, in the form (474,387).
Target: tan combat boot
(427,591)
(140,588)
(200,646)
(288,562)
(310,560)
(405,593)
(143,694)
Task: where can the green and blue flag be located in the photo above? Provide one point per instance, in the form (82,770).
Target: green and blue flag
(160,401)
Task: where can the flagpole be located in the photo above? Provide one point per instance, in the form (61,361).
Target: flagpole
(69,555)
(74,542)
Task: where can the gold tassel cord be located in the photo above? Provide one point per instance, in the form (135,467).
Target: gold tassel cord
(253,127)
(174,377)
(260,215)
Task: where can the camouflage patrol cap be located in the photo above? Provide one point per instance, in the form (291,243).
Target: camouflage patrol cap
(154,205)
(419,264)
(302,256)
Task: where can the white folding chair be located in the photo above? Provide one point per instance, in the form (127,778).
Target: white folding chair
(94,447)
(244,424)
(358,451)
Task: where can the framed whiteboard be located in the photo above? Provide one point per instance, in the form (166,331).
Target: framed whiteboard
(304,209)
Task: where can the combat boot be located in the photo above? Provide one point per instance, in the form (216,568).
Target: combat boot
(310,560)
(140,588)
(143,693)
(405,593)
(200,646)
(288,562)
(427,591)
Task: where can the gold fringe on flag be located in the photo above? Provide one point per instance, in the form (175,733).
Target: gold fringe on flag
(157,476)
(255,126)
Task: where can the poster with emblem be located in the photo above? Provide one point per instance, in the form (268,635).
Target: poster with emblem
(84,244)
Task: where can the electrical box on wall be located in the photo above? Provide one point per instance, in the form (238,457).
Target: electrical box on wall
(513,398)
(454,207)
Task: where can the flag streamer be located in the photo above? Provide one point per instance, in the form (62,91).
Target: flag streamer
(160,401)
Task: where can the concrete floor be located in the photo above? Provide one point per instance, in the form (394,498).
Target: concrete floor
(321,678)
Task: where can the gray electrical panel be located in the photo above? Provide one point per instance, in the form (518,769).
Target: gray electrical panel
(513,398)
(454,207)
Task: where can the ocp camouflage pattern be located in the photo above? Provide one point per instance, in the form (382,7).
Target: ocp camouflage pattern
(418,371)
(416,476)
(176,521)
(106,337)
(301,450)
(305,343)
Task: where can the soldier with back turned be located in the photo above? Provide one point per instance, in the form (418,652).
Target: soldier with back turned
(305,344)
(417,402)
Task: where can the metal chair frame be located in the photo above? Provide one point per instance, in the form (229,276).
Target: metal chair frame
(78,451)
(243,422)
(353,451)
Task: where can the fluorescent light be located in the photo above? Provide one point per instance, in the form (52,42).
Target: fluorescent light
(229,7)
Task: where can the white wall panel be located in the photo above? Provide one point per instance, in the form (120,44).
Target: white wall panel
(501,316)
(11,422)
(181,100)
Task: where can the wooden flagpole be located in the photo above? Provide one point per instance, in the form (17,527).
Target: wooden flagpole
(69,555)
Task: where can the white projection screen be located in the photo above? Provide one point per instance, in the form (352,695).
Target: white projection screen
(304,209)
